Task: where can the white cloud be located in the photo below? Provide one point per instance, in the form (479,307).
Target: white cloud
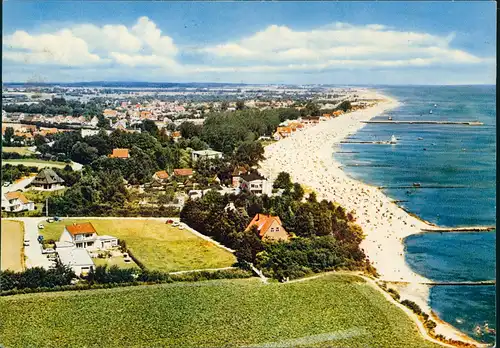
(62,47)
(90,44)
(372,45)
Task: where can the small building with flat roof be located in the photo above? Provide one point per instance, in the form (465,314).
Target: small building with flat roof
(78,260)
(205,154)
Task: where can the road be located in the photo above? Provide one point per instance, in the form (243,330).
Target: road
(20,185)
(33,252)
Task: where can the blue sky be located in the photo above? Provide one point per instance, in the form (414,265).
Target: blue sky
(252,42)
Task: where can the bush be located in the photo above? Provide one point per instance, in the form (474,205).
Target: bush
(430,325)
(413,306)
(394,294)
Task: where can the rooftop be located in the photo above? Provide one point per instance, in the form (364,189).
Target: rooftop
(74,257)
(263,222)
(75,229)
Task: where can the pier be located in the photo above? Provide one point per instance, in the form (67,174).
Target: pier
(459,229)
(442,283)
(368,142)
(463,123)
(423,186)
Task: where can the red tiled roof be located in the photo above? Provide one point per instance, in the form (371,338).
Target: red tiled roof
(176,134)
(80,228)
(183,172)
(162,174)
(263,222)
(119,153)
(17,195)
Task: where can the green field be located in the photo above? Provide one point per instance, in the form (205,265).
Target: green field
(22,150)
(332,311)
(157,245)
(35,163)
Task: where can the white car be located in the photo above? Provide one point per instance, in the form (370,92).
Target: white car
(41,226)
(175,224)
(26,242)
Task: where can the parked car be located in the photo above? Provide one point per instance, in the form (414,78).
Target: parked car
(170,221)
(127,260)
(41,227)
(48,251)
(26,242)
(175,224)
(6,184)
(56,218)
(50,220)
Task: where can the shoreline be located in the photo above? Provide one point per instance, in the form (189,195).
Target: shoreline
(307,156)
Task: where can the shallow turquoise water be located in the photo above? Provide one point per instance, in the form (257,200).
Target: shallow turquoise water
(462,157)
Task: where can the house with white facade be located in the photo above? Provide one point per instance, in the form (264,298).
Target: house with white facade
(205,154)
(256,184)
(84,236)
(47,180)
(16,202)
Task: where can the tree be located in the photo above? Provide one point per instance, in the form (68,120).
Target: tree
(8,135)
(312,109)
(171,127)
(283,181)
(240,105)
(224,105)
(249,153)
(345,106)
(189,130)
(83,153)
(150,127)
(298,192)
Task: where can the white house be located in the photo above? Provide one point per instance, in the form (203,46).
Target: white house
(78,260)
(256,184)
(85,236)
(94,121)
(205,154)
(15,202)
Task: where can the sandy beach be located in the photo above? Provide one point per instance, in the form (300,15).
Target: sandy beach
(308,156)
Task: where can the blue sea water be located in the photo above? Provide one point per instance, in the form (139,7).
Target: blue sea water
(463,158)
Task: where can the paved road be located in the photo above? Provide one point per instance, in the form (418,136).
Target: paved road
(33,252)
(20,185)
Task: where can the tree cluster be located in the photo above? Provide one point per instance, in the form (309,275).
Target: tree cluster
(325,237)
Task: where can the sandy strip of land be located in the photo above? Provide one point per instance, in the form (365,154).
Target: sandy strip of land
(307,157)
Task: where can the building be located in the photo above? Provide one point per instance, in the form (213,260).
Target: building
(183,172)
(256,184)
(78,260)
(48,180)
(162,176)
(120,153)
(205,154)
(176,136)
(16,202)
(84,236)
(269,227)
(237,172)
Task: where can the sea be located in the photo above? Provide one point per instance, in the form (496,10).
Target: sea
(458,162)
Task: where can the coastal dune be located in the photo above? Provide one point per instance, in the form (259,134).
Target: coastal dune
(307,156)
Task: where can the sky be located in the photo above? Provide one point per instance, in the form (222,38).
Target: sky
(364,43)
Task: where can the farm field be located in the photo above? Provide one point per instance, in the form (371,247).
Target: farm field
(331,311)
(12,245)
(35,163)
(157,245)
(22,150)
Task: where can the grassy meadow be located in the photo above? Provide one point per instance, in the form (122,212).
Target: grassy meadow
(157,245)
(12,237)
(331,311)
(22,150)
(35,163)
